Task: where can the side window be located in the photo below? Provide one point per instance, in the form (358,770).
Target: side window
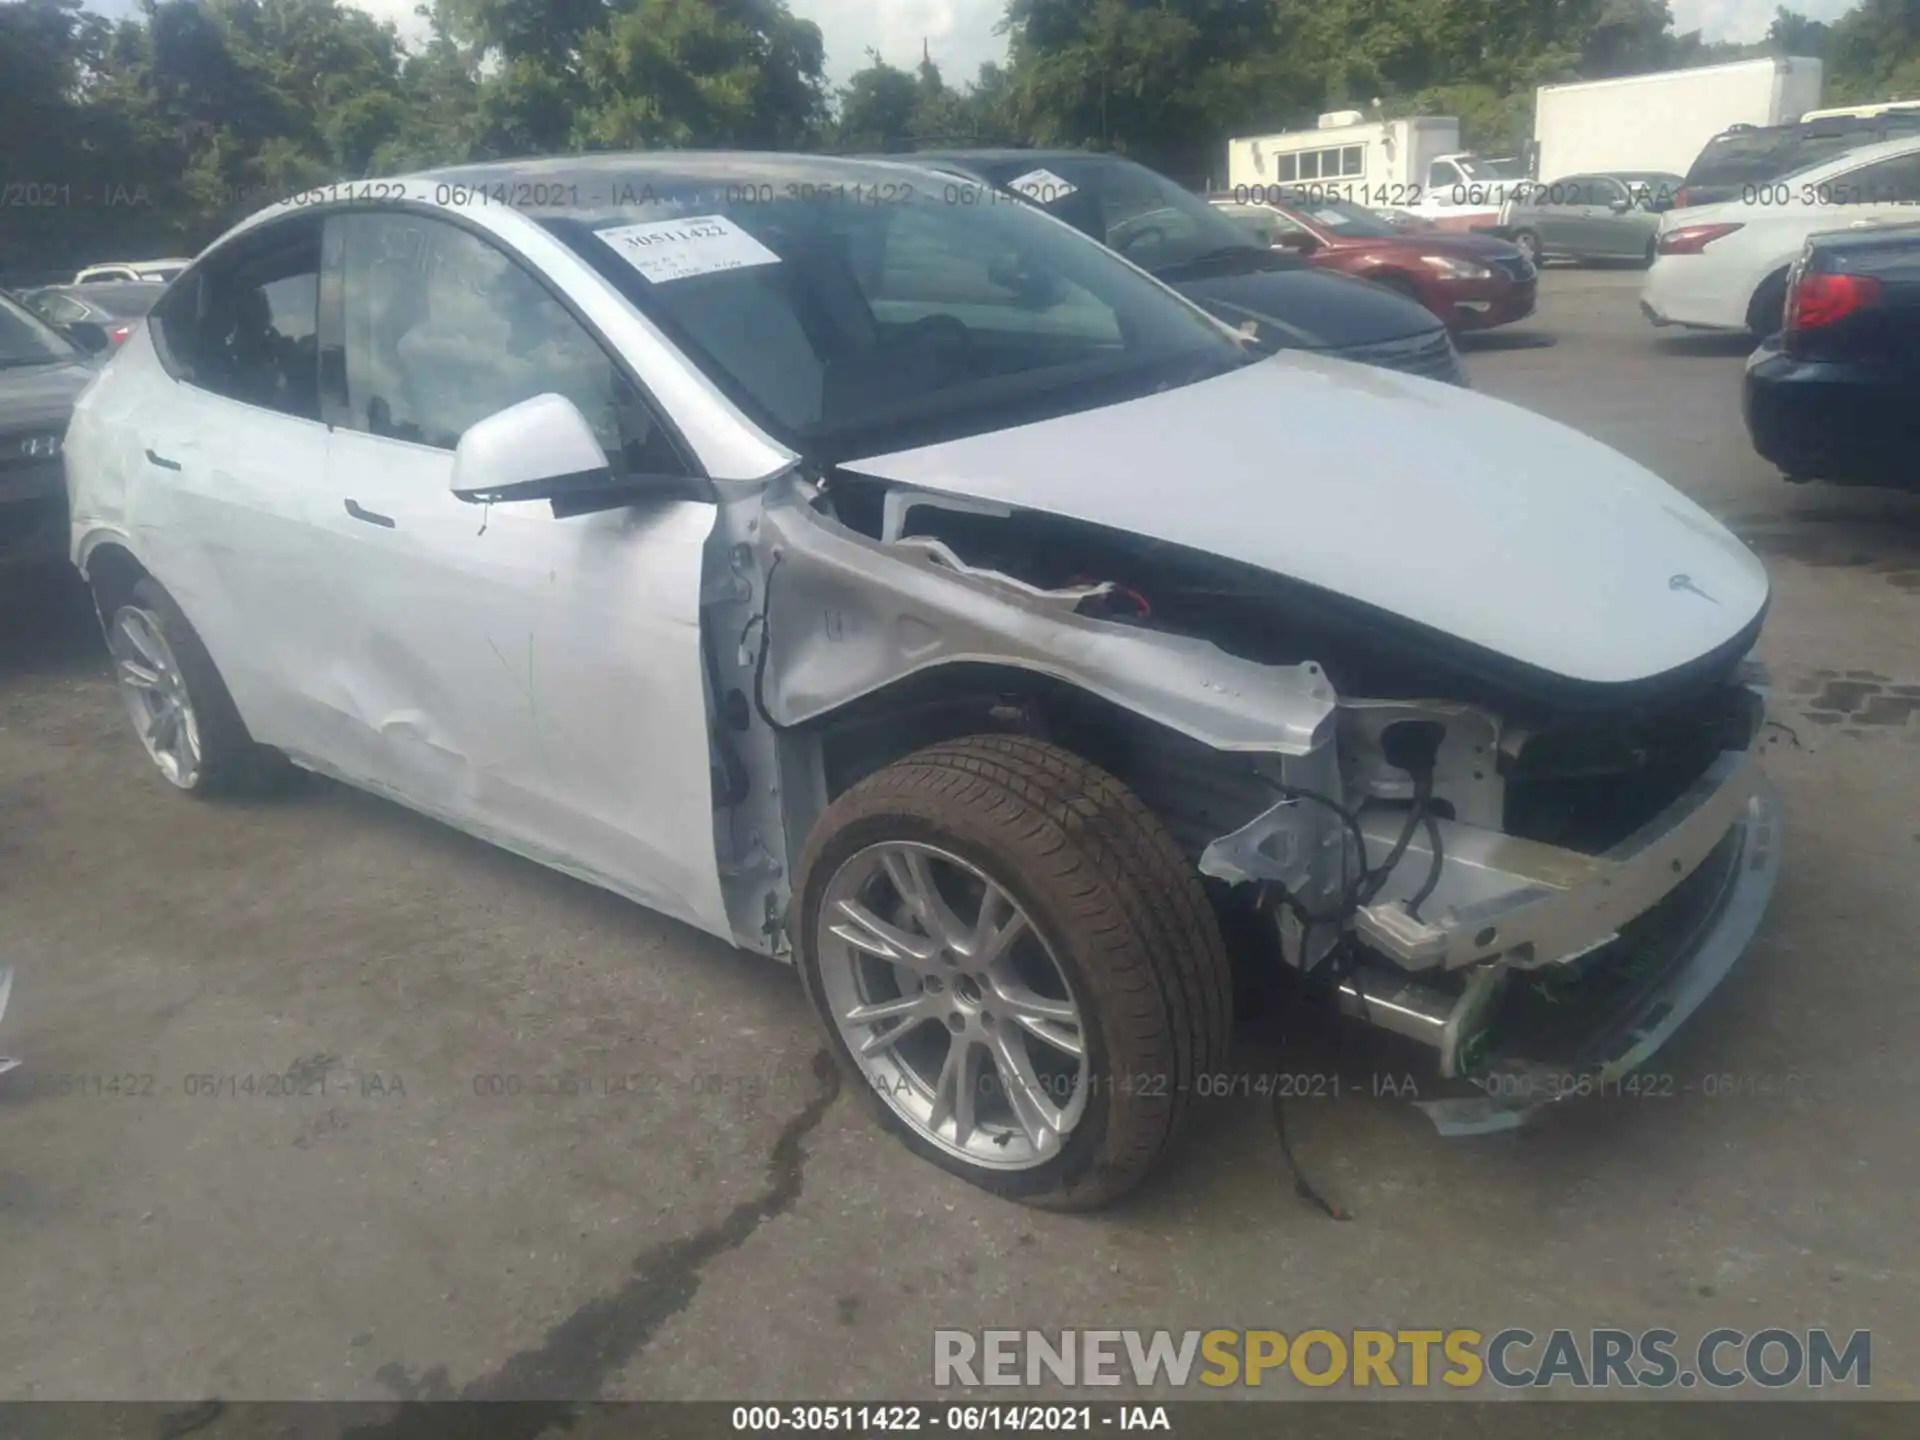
(440,329)
(1441,174)
(245,325)
(1606,192)
(59,309)
(1886,182)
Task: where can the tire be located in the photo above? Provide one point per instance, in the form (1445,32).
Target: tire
(155,650)
(1529,242)
(1651,254)
(1768,309)
(1107,899)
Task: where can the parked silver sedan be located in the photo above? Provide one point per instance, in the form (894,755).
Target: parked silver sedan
(1614,216)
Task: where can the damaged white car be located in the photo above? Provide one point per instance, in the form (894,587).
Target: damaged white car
(877,573)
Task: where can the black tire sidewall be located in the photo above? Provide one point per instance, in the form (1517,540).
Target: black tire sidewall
(1081,1153)
(1768,306)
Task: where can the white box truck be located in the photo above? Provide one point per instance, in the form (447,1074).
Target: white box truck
(1412,164)
(1659,123)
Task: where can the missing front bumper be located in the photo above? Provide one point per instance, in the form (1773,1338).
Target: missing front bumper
(1662,966)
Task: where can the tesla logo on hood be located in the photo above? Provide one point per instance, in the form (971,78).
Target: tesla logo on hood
(1685,582)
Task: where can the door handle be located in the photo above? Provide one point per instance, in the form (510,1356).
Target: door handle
(162,461)
(354,509)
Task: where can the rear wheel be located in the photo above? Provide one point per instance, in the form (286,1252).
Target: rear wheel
(1016,965)
(177,702)
(1768,309)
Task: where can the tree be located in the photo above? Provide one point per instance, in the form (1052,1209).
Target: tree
(1792,33)
(1873,52)
(877,107)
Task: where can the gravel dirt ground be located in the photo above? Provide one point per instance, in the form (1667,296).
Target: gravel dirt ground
(709,1219)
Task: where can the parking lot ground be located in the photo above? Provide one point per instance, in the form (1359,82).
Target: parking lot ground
(546,1144)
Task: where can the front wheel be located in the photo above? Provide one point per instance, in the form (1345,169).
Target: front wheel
(1016,964)
(1529,242)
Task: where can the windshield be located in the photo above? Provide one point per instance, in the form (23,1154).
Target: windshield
(1752,156)
(847,305)
(1146,217)
(27,340)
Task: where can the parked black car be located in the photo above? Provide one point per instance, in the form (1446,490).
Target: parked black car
(41,374)
(97,316)
(1833,396)
(1748,155)
(1188,244)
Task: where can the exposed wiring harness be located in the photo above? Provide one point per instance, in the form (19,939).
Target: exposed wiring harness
(766,642)
(1415,753)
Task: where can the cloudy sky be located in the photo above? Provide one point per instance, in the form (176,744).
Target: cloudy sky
(960,35)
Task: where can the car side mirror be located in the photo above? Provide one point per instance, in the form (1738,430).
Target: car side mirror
(1298,241)
(1619,206)
(544,449)
(88,336)
(540,449)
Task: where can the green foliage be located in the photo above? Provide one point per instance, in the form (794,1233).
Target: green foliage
(149,135)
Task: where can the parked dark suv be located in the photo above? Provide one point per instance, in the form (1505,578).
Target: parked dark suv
(1750,155)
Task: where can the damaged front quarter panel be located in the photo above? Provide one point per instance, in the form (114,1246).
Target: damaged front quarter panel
(1446,912)
(855,615)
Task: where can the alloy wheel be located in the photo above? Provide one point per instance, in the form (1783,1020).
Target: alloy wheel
(156,694)
(953,1004)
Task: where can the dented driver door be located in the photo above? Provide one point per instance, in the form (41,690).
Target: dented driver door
(537,681)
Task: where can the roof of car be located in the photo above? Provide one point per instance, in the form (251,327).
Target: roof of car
(739,166)
(1001,155)
(1867,154)
(1880,237)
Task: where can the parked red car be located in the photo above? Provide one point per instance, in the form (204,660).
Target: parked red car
(1472,282)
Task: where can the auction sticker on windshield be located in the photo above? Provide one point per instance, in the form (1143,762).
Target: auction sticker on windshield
(664,250)
(1042,185)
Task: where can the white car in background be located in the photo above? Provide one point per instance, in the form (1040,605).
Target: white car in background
(1724,267)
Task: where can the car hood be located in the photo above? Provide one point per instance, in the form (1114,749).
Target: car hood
(1310,309)
(34,397)
(1454,511)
